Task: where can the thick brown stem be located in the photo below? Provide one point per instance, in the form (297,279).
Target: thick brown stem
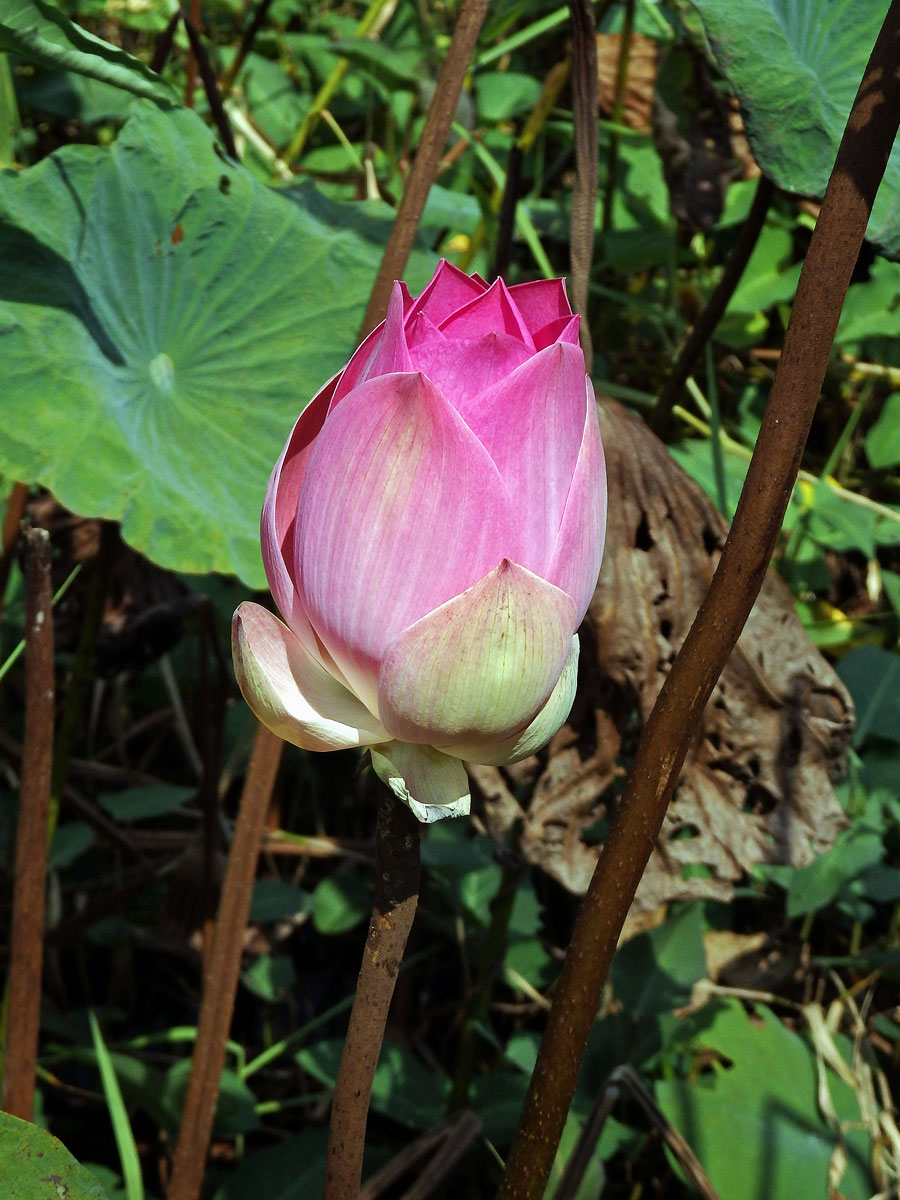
(27,934)
(706,323)
(428,155)
(221,976)
(832,255)
(396,897)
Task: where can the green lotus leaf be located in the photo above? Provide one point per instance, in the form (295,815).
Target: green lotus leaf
(796,66)
(40,33)
(164,317)
(753,1119)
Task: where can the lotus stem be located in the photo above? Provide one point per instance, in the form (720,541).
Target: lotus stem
(221,976)
(396,898)
(23,995)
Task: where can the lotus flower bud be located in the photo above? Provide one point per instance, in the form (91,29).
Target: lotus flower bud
(432,535)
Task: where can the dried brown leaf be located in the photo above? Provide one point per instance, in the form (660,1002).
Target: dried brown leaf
(756,786)
(640,82)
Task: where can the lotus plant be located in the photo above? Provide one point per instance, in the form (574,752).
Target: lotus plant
(432,535)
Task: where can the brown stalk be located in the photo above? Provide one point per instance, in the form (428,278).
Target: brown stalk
(221,974)
(27,933)
(446,1143)
(163,47)
(196,16)
(428,156)
(249,36)
(706,323)
(626,1079)
(506,218)
(15,510)
(833,250)
(396,897)
(584,193)
(210,84)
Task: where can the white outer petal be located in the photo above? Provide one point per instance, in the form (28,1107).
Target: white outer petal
(290,692)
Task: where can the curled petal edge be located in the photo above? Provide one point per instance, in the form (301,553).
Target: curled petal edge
(432,785)
(538,732)
(290,692)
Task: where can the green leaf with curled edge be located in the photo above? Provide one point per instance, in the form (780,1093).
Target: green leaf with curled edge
(164,318)
(40,33)
(795,66)
(749,1111)
(34,1165)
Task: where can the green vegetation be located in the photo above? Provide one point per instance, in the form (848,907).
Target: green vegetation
(165,313)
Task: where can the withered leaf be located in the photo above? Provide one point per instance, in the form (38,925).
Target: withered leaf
(756,786)
(640,78)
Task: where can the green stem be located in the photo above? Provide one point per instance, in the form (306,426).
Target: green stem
(612,156)
(479,1001)
(715,424)
(368,26)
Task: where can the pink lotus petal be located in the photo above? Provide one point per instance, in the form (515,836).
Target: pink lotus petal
(391,353)
(401,509)
(477,669)
(359,361)
(408,298)
(463,369)
(448,290)
(536,734)
(541,301)
(422,336)
(563,329)
(575,564)
(432,784)
(532,424)
(382,351)
(289,691)
(492,310)
(280,510)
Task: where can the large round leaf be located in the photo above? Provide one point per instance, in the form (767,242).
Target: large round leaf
(796,66)
(163,319)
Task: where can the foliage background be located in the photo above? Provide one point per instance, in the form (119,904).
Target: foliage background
(164,314)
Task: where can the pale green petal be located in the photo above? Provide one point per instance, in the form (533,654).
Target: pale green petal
(478,668)
(432,784)
(539,732)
